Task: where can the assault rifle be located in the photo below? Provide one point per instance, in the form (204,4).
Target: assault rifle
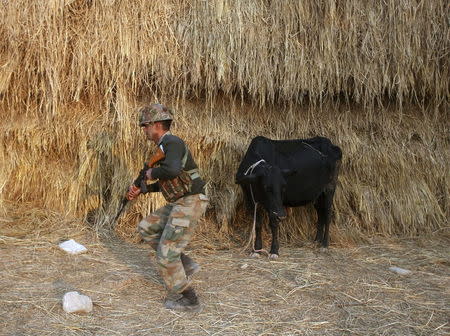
(140,181)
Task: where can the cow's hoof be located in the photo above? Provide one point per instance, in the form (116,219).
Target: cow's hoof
(273,256)
(255,255)
(323,249)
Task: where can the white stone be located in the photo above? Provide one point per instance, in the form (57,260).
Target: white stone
(72,247)
(399,270)
(244,266)
(74,302)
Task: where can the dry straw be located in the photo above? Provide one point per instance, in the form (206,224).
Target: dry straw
(73,72)
(346,291)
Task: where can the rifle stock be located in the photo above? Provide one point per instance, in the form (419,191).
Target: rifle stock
(158,156)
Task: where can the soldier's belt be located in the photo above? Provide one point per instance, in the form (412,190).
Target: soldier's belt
(177,187)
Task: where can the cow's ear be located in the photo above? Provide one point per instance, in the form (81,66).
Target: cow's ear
(247,179)
(288,172)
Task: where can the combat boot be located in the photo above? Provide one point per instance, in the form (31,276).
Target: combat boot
(188,302)
(190,266)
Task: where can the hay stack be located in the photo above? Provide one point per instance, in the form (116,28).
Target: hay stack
(73,72)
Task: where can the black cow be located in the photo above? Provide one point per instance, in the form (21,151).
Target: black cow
(290,173)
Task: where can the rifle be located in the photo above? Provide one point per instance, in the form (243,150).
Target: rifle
(140,181)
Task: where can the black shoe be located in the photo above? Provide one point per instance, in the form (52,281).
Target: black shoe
(188,302)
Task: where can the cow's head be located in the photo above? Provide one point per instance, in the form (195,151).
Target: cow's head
(271,182)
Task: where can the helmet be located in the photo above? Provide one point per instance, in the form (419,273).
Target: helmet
(154,112)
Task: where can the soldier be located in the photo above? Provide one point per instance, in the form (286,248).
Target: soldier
(170,228)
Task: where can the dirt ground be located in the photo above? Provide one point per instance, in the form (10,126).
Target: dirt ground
(341,291)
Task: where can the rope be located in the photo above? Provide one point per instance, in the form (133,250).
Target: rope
(253,166)
(318,151)
(252,237)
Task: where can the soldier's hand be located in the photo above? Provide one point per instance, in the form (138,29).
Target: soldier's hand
(148,174)
(133,192)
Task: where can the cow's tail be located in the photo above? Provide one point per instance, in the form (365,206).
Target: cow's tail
(336,166)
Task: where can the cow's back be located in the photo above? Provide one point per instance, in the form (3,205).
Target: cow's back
(320,144)
(276,151)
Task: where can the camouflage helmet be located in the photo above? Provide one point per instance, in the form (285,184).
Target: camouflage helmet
(154,112)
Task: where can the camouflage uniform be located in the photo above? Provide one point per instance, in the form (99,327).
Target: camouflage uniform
(168,230)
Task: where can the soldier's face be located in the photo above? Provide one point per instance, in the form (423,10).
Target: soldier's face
(147,128)
(152,131)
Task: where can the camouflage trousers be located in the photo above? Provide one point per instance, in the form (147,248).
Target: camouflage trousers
(168,230)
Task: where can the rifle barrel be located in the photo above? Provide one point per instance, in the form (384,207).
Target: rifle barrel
(122,206)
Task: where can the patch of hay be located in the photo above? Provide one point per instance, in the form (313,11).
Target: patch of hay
(73,72)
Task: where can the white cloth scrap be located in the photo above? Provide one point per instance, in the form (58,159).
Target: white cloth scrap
(72,247)
(399,270)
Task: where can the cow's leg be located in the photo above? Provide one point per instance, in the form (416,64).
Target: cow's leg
(329,195)
(258,239)
(319,206)
(324,209)
(273,223)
